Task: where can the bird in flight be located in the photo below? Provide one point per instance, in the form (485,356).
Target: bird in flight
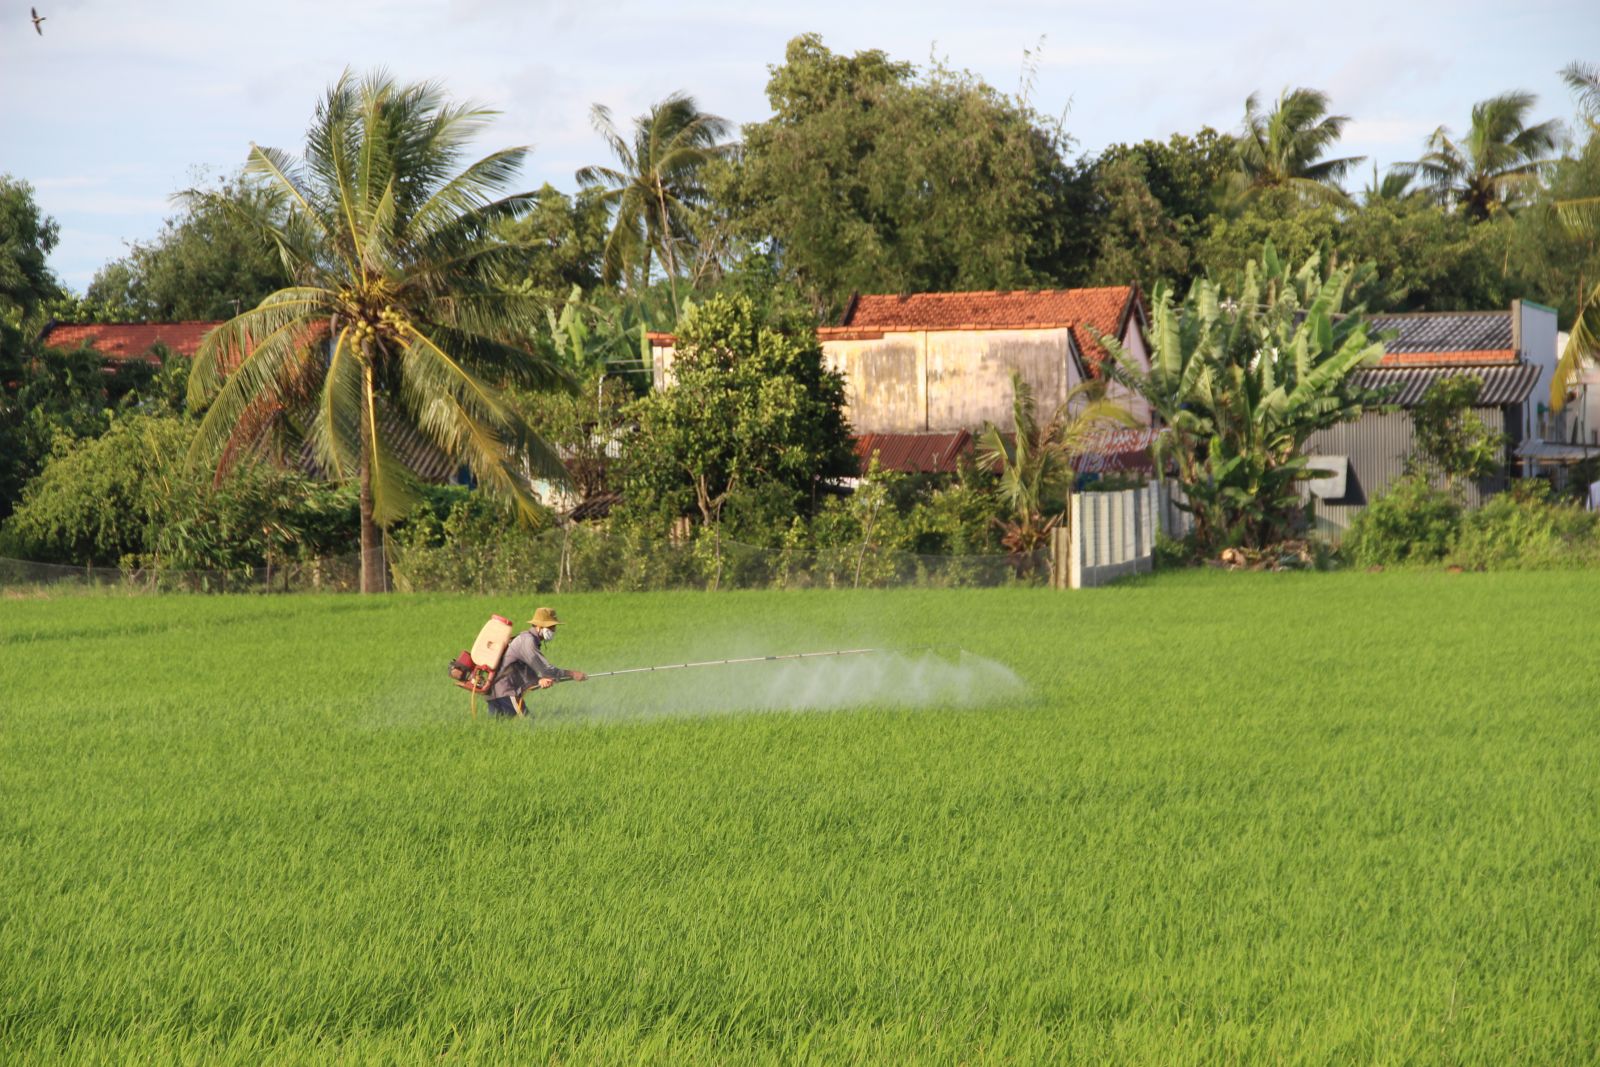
(38,21)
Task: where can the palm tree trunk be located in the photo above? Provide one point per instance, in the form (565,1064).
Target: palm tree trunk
(668,259)
(374,569)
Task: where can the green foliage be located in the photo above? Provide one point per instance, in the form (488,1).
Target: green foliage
(1525,529)
(50,400)
(1035,463)
(127,497)
(1560,249)
(210,262)
(1283,149)
(751,406)
(869,178)
(587,427)
(27,236)
(655,193)
(467,541)
(556,246)
(1139,241)
(396,324)
(1242,379)
(1495,166)
(1450,437)
(1412,522)
(1528,531)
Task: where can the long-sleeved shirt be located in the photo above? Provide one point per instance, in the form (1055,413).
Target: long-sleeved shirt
(522,666)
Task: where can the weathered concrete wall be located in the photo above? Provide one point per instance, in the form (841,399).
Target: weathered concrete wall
(969,374)
(885,380)
(926,381)
(942,380)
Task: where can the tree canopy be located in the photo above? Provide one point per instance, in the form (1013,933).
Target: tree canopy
(873,176)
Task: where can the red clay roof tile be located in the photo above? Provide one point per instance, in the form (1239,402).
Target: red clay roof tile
(1086,312)
(129,340)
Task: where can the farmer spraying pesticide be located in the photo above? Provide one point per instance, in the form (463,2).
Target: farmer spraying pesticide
(525,667)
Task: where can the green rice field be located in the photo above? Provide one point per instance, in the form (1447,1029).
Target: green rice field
(1201,819)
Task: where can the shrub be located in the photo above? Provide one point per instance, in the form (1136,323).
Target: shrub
(1411,523)
(1528,530)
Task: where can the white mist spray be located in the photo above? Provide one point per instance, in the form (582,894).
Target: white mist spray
(886,679)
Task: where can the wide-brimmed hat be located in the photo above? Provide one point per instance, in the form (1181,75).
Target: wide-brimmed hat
(544,617)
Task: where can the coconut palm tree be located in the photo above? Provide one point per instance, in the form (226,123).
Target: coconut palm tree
(1581,216)
(1283,148)
(1035,465)
(392,332)
(1584,80)
(1497,164)
(655,190)
(1395,186)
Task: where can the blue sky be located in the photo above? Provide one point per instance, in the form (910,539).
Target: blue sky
(121,102)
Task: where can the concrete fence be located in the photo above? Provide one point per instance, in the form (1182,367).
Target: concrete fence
(1112,535)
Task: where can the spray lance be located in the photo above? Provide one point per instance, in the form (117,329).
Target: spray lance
(747,659)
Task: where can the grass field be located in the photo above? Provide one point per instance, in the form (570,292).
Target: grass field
(1217,818)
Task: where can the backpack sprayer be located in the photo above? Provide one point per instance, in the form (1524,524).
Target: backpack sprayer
(474,669)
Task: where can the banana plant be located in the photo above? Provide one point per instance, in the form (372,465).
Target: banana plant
(1242,380)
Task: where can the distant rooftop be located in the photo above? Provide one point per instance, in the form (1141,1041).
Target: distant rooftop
(1088,313)
(129,340)
(1444,338)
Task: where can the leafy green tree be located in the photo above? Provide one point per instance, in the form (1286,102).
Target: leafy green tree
(1138,241)
(1284,148)
(92,504)
(1496,166)
(129,496)
(751,406)
(1280,217)
(27,236)
(391,324)
(208,262)
(869,177)
(1035,463)
(1450,438)
(1161,192)
(558,243)
(655,192)
(1241,379)
(1427,258)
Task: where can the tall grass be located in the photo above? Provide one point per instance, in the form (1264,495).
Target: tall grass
(1226,818)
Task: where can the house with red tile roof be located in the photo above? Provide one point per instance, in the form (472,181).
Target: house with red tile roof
(129,342)
(120,342)
(920,369)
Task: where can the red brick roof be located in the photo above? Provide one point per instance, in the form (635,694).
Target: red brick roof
(1086,312)
(129,340)
(1448,359)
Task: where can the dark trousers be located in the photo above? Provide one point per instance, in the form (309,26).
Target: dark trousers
(503,706)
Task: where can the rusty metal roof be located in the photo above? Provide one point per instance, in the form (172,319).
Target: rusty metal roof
(919,453)
(1502,385)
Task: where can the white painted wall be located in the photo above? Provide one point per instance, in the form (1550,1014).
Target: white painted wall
(1534,327)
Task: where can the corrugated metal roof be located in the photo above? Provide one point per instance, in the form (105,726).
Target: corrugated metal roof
(920,453)
(1445,331)
(1111,451)
(1502,385)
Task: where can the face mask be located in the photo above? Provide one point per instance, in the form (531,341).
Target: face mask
(545,633)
